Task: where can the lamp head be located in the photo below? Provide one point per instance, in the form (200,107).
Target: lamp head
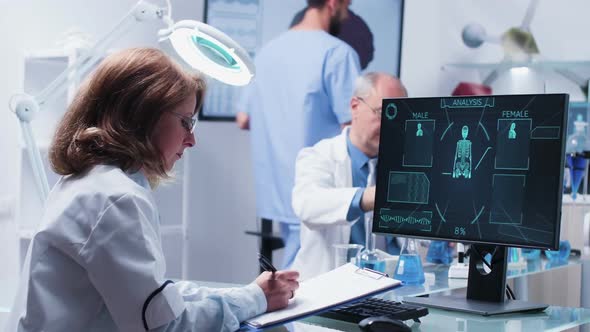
(203,48)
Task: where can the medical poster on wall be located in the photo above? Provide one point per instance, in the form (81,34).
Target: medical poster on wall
(252,23)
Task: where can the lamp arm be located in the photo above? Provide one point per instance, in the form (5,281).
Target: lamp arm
(528,16)
(141,11)
(82,64)
(34,154)
(26,106)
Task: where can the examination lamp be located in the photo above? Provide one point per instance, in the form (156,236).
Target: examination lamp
(209,50)
(196,45)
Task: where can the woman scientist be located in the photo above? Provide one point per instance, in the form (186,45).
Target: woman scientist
(96,263)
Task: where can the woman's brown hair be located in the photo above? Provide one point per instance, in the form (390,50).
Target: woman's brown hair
(112,117)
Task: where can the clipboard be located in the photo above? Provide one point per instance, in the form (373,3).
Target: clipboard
(326,291)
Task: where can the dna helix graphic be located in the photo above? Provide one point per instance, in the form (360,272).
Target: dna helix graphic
(409,220)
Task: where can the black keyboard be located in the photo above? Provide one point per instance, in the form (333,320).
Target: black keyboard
(372,307)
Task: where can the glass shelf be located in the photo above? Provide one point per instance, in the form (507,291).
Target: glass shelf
(579,104)
(534,64)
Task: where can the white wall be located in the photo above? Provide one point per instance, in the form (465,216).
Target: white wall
(432,39)
(221,204)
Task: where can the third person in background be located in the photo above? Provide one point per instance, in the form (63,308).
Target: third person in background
(331,194)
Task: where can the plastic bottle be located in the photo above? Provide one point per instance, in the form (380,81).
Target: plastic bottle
(513,255)
(409,268)
(576,142)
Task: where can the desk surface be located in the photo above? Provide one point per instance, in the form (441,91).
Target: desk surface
(554,318)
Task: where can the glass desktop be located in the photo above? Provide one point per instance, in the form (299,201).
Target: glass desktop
(555,318)
(485,170)
(552,319)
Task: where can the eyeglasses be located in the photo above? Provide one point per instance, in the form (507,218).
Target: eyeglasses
(187,123)
(376,111)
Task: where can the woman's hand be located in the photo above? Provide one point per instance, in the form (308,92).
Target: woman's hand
(279,288)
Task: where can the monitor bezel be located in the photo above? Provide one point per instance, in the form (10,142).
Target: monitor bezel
(558,194)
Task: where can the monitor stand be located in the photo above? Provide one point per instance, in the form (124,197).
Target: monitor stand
(485,287)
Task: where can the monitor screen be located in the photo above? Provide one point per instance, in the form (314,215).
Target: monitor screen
(483,169)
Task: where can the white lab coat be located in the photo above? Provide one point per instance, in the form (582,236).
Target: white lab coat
(97,258)
(322,195)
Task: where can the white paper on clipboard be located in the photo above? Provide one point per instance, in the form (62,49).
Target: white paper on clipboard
(341,285)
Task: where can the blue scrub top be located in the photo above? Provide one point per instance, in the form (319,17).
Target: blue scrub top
(300,95)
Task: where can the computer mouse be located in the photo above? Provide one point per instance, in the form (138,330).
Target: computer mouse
(383,324)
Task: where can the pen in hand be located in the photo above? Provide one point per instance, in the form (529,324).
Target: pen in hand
(266,264)
(279,287)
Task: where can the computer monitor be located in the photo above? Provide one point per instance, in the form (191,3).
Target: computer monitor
(486,170)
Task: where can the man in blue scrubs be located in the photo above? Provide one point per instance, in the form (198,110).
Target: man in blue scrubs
(300,94)
(332,193)
(355,32)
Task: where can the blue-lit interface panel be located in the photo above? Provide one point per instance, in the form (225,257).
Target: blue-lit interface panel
(474,169)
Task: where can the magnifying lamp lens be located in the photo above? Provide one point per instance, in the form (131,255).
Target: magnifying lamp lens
(203,48)
(215,53)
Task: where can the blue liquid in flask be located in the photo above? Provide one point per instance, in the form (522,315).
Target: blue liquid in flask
(376,265)
(409,269)
(370,260)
